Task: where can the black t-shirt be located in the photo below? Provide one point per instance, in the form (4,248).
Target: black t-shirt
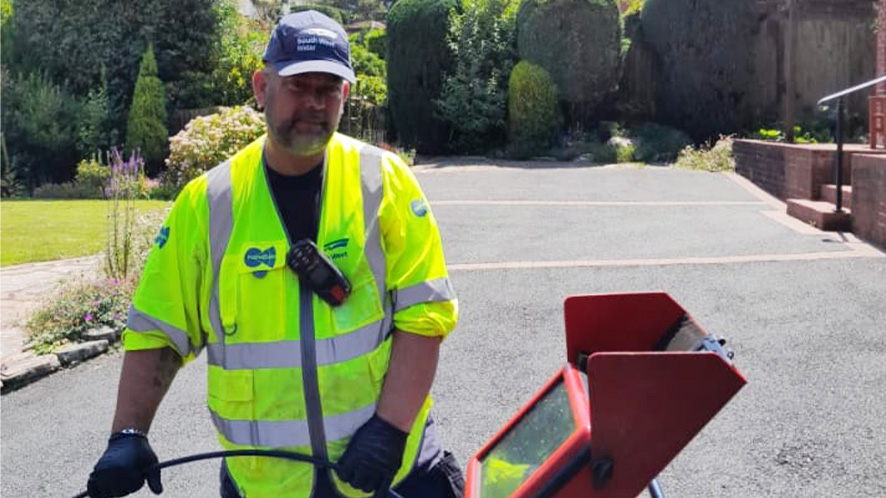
(298,200)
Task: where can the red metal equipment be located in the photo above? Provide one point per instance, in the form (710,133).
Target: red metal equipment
(642,379)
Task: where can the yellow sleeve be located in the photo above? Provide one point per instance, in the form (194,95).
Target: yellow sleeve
(423,298)
(165,309)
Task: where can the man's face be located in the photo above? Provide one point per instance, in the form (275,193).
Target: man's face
(303,111)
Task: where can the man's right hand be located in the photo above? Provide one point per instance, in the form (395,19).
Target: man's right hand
(123,468)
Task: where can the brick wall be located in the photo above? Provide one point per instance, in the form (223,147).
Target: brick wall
(806,170)
(869,198)
(763,165)
(793,171)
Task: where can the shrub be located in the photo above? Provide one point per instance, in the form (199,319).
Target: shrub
(146,127)
(238,52)
(708,158)
(806,132)
(209,140)
(364,60)
(78,308)
(371,73)
(532,109)
(62,191)
(92,177)
(417,58)
(376,41)
(579,43)
(474,96)
(624,149)
(657,143)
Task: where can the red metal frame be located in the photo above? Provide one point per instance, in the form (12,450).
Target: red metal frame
(642,407)
(617,322)
(579,439)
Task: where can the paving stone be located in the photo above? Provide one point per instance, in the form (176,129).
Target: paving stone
(81,351)
(101,333)
(15,358)
(26,371)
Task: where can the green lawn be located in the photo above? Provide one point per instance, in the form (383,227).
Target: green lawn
(47,230)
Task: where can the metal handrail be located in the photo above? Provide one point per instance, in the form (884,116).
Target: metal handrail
(838,161)
(854,89)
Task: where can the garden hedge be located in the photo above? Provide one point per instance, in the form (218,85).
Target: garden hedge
(578,42)
(417,58)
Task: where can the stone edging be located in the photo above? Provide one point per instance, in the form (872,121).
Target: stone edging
(22,369)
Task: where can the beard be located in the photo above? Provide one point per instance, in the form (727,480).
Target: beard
(303,134)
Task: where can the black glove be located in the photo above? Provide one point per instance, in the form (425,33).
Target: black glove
(373,456)
(123,468)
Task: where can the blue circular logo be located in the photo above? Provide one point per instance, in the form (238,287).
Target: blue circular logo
(419,208)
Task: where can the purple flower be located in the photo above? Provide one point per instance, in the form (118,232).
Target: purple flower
(88,317)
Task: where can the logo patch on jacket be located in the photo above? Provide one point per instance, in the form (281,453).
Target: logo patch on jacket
(255,258)
(330,248)
(162,237)
(419,208)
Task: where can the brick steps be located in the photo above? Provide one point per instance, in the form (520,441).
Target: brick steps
(821,214)
(829,194)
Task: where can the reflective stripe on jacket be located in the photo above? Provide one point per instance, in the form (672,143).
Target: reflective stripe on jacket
(285,369)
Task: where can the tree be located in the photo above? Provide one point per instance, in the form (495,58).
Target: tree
(72,48)
(417,59)
(146,126)
(475,94)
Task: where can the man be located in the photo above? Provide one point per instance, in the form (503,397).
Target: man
(289,367)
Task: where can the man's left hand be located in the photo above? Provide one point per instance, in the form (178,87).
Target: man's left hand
(373,456)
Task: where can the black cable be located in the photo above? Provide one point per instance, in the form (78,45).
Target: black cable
(286,455)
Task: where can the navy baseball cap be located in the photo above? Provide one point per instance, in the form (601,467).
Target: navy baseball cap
(309,42)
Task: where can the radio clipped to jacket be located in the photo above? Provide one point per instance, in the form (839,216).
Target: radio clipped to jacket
(318,272)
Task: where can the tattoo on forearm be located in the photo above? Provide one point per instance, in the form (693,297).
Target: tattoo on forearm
(166,369)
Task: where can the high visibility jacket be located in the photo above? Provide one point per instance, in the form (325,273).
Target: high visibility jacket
(286,370)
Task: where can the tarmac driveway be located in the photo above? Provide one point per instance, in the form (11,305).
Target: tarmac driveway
(803,310)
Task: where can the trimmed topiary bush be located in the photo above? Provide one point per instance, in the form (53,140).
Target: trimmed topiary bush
(579,43)
(532,110)
(417,59)
(706,72)
(146,126)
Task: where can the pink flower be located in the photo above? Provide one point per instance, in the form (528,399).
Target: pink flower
(88,317)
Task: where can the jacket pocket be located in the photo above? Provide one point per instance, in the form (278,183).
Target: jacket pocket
(230,393)
(262,295)
(363,306)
